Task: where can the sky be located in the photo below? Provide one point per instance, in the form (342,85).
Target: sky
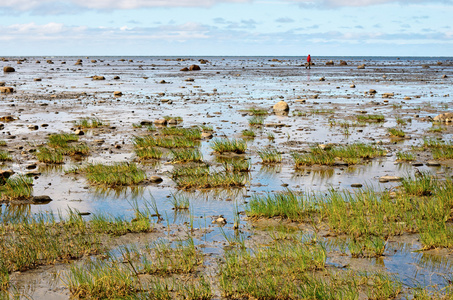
(226,27)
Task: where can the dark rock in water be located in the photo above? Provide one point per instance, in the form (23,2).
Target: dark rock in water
(98,78)
(388,178)
(356,185)
(155,179)
(116,77)
(146,123)
(185,69)
(343,63)
(417,164)
(79,132)
(8,69)
(161,122)
(41,199)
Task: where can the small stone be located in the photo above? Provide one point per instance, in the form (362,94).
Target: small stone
(6,89)
(356,185)
(117,93)
(206,135)
(417,164)
(388,178)
(41,199)
(160,122)
(98,78)
(79,132)
(33,127)
(432,163)
(155,179)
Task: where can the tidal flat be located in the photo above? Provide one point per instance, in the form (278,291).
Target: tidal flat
(226,178)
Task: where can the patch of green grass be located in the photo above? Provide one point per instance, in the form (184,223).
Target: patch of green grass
(248,133)
(270,136)
(370,118)
(439,148)
(401,122)
(61,140)
(395,132)
(5,156)
(50,156)
(149,153)
(256,121)
(2,143)
(237,165)
(179,202)
(164,142)
(405,156)
(211,180)
(118,174)
(190,171)
(189,133)
(257,111)
(186,155)
(90,123)
(17,188)
(435,129)
(227,145)
(423,184)
(207,128)
(176,118)
(270,156)
(322,111)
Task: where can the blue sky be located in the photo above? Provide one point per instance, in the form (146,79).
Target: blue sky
(227,27)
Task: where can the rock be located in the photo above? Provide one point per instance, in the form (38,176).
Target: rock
(340,163)
(445,117)
(6,89)
(407,98)
(146,123)
(330,63)
(117,93)
(206,135)
(322,79)
(2,83)
(172,122)
(41,199)
(343,63)
(356,185)
(5,174)
(388,178)
(444,76)
(98,78)
(155,179)
(79,132)
(185,69)
(162,81)
(219,220)
(160,122)
(189,79)
(116,77)
(372,91)
(33,127)
(416,164)
(31,166)
(388,95)
(194,68)
(281,106)
(8,69)
(7,119)
(352,86)
(362,66)
(37,79)
(432,163)
(49,61)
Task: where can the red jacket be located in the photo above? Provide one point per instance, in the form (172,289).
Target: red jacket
(308,58)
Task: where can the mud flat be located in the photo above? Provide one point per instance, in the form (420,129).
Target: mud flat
(226,178)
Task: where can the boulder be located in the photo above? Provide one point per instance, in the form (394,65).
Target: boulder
(362,66)
(155,179)
(41,199)
(98,78)
(194,68)
(6,89)
(281,106)
(117,93)
(8,69)
(185,69)
(7,119)
(445,117)
(330,63)
(343,63)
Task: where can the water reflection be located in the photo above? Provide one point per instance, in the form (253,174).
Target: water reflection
(10,213)
(132,192)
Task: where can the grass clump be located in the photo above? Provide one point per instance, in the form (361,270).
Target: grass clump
(270,156)
(164,142)
(395,132)
(60,145)
(16,188)
(179,202)
(237,165)
(210,180)
(189,133)
(89,123)
(149,153)
(61,140)
(227,145)
(256,121)
(440,149)
(197,171)
(248,133)
(186,155)
(350,154)
(257,111)
(405,156)
(5,156)
(370,118)
(118,174)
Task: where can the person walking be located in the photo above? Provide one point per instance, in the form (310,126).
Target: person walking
(308,62)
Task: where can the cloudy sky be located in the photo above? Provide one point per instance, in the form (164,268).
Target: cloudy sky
(227,27)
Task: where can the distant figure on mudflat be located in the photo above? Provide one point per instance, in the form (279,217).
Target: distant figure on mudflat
(308,64)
